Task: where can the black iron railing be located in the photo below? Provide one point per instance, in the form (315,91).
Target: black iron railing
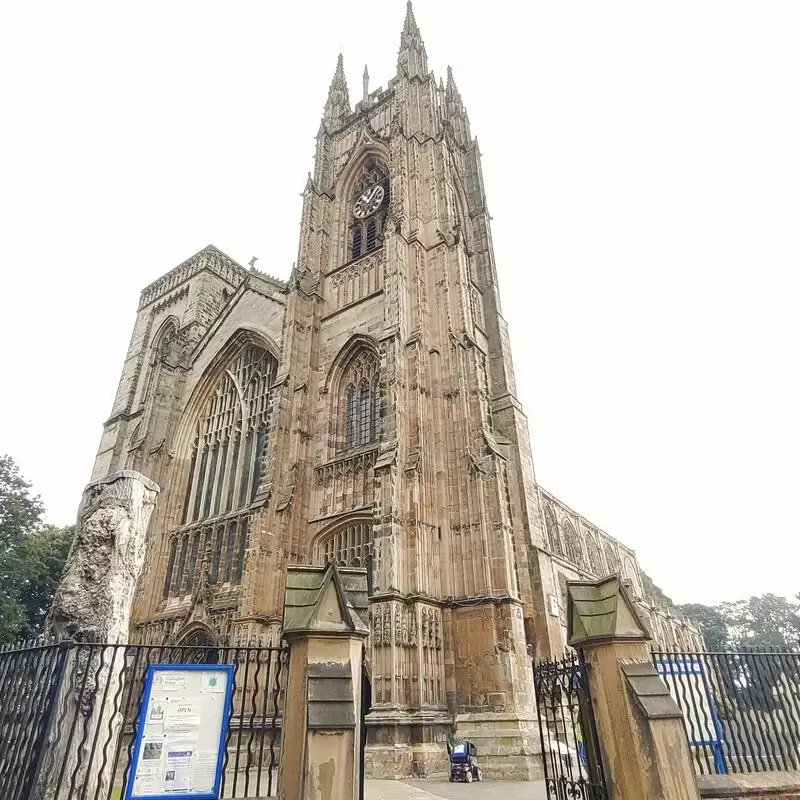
(53,694)
(741,710)
(571,757)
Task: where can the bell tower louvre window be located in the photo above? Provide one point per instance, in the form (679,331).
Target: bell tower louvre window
(368,207)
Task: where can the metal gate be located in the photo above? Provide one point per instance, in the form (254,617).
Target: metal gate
(33,675)
(573,766)
(366,706)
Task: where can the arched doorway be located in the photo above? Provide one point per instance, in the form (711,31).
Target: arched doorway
(198,645)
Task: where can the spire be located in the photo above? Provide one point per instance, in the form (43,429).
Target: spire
(338,104)
(412,59)
(365,96)
(455,110)
(452,95)
(410,27)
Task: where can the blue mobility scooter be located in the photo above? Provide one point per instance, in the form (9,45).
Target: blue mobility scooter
(464,763)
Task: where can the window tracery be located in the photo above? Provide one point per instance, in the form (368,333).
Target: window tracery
(595,556)
(230,438)
(573,544)
(227,543)
(551,529)
(224,474)
(612,558)
(361,401)
(368,205)
(350,546)
(159,351)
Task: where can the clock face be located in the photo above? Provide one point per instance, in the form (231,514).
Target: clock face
(369,202)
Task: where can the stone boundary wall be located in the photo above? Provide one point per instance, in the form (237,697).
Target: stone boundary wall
(755,786)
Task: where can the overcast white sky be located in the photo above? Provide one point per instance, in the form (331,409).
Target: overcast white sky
(642,164)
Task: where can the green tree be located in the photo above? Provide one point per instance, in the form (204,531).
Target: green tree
(42,555)
(32,556)
(751,678)
(764,621)
(19,512)
(712,623)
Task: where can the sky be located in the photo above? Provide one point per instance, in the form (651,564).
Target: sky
(642,168)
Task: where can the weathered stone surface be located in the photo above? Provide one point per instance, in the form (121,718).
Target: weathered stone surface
(93,600)
(643,741)
(756,786)
(92,604)
(323,724)
(365,411)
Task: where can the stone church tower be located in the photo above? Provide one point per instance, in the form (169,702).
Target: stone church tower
(363,411)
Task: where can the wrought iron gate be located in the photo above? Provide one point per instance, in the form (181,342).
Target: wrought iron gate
(366,706)
(573,766)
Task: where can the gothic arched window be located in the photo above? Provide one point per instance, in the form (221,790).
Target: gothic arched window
(612,558)
(361,401)
(573,543)
(551,529)
(350,417)
(173,547)
(224,474)
(595,556)
(159,352)
(231,438)
(368,207)
(350,546)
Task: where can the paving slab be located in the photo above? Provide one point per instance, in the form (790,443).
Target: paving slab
(444,790)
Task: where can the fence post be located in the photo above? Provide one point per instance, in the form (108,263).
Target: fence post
(640,728)
(325,623)
(109,545)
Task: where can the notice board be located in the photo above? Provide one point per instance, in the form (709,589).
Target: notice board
(180,738)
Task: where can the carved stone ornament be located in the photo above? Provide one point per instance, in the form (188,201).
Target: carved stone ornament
(387,624)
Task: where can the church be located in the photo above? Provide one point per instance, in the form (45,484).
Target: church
(364,411)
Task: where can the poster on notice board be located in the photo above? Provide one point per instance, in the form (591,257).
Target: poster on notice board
(180,740)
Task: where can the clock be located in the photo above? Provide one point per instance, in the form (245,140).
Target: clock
(369,202)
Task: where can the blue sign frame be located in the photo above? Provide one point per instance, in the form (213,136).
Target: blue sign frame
(228,670)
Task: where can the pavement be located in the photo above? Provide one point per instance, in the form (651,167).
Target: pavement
(433,789)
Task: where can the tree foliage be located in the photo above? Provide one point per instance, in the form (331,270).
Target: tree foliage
(761,621)
(765,621)
(32,556)
(752,679)
(712,624)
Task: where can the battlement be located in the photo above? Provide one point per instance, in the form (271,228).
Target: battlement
(209,258)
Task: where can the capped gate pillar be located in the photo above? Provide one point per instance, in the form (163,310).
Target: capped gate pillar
(325,624)
(640,727)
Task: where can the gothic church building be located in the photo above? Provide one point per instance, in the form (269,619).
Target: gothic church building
(365,411)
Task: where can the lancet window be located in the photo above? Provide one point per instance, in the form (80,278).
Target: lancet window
(368,204)
(612,558)
(573,544)
(224,475)
(361,402)
(551,529)
(595,556)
